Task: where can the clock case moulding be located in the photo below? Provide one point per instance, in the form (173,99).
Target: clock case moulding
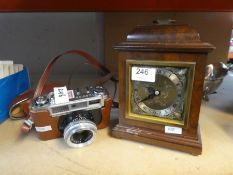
(163,43)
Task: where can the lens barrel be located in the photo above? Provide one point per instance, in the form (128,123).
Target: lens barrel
(80,133)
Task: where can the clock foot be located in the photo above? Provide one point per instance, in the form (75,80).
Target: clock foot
(171,141)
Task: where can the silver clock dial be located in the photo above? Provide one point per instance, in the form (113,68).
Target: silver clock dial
(162,98)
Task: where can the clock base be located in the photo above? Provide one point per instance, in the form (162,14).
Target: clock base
(172,141)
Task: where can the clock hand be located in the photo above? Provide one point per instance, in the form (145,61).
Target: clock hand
(152,94)
(151,90)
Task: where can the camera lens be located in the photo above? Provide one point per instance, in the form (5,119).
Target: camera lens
(81,137)
(80,133)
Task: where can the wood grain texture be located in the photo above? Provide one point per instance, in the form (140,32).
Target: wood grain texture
(189,145)
(113,5)
(192,51)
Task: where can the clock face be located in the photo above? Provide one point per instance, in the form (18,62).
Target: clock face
(157,92)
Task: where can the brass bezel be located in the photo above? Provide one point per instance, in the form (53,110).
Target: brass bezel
(187,96)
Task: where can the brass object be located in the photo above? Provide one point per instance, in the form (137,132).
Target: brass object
(173,85)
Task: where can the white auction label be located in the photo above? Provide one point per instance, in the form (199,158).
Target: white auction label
(43,128)
(173,130)
(146,74)
(61,95)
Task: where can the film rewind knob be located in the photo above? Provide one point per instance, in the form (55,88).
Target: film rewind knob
(41,100)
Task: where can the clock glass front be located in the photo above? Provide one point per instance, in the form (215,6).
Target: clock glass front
(159,92)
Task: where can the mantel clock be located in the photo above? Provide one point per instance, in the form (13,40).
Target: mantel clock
(161,75)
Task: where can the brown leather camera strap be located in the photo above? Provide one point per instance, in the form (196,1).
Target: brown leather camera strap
(85,55)
(19,107)
(26,127)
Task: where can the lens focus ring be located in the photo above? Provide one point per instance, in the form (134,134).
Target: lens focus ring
(80,133)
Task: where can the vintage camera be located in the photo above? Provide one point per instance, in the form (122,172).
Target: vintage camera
(77,120)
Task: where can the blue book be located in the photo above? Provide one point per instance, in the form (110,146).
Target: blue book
(10,87)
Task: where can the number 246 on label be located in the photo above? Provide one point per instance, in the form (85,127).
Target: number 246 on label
(143,74)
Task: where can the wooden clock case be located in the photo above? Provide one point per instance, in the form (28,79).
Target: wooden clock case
(171,42)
